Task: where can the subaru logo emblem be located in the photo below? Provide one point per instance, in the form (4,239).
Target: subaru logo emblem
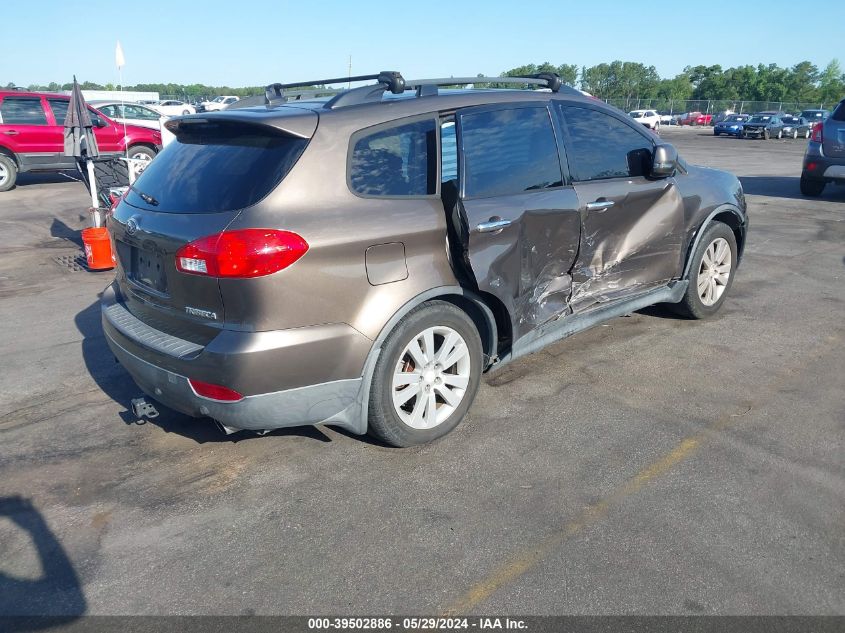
(132,226)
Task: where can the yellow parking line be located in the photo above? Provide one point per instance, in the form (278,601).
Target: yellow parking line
(519,565)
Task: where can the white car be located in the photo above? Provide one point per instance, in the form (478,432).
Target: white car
(131,113)
(649,118)
(175,108)
(218,103)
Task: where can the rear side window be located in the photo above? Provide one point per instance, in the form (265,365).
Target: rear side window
(22,111)
(508,152)
(601,146)
(213,167)
(59,108)
(397,161)
(839,113)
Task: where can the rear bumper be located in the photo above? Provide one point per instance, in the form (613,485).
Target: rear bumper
(281,389)
(326,402)
(823,167)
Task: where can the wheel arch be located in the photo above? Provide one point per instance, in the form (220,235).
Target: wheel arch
(484,315)
(7,152)
(726,214)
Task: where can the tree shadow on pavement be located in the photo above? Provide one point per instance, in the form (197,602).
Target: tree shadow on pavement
(118,385)
(54,598)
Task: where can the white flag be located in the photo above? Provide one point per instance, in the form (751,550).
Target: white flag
(119,60)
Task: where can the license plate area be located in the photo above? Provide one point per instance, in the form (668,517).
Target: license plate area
(146,268)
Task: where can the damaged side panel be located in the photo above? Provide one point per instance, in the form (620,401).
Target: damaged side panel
(631,246)
(527,264)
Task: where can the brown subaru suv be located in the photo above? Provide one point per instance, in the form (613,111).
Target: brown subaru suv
(360,259)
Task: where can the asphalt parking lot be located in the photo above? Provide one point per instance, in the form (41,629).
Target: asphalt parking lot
(652,465)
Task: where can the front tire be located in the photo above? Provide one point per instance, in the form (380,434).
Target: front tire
(811,187)
(780,134)
(807,134)
(426,376)
(711,275)
(794,134)
(765,135)
(141,152)
(8,173)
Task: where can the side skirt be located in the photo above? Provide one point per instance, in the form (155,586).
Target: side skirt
(569,325)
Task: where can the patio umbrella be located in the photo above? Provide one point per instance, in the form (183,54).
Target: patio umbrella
(81,143)
(79,129)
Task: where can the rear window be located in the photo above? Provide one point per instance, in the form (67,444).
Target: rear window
(215,167)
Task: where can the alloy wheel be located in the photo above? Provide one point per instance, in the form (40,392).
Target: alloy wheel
(4,174)
(714,271)
(431,377)
(141,156)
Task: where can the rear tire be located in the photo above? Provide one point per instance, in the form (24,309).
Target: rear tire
(794,134)
(780,134)
(426,376)
(811,187)
(807,134)
(8,173)
(712,270)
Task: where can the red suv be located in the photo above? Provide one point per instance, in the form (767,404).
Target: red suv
(32,135)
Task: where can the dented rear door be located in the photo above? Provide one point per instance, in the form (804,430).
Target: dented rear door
(522,219)
(632,226)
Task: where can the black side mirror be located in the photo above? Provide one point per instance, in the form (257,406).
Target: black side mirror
(665,161)
(97,121)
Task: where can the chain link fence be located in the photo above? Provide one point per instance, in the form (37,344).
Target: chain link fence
(715,106)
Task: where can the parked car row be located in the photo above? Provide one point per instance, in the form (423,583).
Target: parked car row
(764,125)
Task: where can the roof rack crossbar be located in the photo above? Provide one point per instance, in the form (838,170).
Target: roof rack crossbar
(387,80)
(548,80)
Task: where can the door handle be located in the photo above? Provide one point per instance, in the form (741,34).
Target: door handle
(11,132)
(600,205)
(492,226)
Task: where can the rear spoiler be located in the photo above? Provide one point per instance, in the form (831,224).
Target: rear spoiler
(296,122)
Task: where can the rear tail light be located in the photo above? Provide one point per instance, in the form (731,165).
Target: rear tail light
(241,254)
(818,133)
(214,392)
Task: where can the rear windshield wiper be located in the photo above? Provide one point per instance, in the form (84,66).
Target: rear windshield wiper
(147,198)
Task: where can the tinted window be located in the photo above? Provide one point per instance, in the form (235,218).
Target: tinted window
(508,152)
(139,112)
(22,111)
(59,108)
(215,167)
(398,161)
(839,113)
(109,111)
(449,152)
(601,146)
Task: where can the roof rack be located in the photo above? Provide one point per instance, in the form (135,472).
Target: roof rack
(396,84)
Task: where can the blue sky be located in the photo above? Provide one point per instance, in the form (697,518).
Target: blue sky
(260,41)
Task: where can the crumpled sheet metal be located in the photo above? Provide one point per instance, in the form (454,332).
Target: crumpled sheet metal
(637,244)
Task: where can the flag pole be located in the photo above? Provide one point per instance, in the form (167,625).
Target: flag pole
(120,61)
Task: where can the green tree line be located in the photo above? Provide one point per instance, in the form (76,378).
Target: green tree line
(803,82)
